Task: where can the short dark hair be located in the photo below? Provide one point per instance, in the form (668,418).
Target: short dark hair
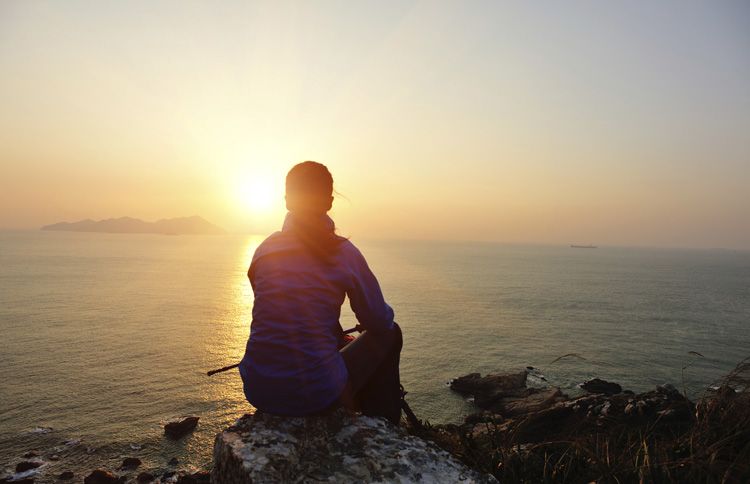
(309,187)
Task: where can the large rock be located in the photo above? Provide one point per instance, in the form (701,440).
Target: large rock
(180,427)
(27,465)
(533,400)
(145,477)
(100,476)
(130,463)
(486,390)
(598,385)
(506,393)
(339,447)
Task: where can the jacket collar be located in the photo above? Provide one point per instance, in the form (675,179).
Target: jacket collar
(292,221)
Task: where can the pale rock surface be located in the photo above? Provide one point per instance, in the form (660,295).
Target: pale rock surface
(339,447)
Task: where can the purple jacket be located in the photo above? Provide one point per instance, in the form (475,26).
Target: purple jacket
(292,365)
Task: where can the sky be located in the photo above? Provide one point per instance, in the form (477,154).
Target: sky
(612,123)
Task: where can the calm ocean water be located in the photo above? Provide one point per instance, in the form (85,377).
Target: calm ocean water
(105,337)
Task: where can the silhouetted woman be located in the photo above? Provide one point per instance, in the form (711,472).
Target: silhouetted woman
(293,363)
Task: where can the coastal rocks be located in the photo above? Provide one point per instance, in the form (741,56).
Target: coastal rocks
(538,426)
(511,410)
(130,463)
(669,390)
(483,417)
(337,447)
(487,389)
(506,393)
(598,385)
(200,477)
(657,408)
(100,476)
(181,427)
(144,477)
(532,400)
(66,476)
(27,465)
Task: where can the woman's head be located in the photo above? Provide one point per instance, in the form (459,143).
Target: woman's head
(309,188)
(309,195)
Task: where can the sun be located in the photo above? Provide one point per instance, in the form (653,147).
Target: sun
(259,195)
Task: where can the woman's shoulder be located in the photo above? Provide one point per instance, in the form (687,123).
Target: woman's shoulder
(277,241)
(350,253)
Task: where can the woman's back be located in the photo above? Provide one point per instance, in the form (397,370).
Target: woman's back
(300,277)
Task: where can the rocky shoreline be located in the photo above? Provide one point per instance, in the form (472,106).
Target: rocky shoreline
(519,433)
(527,434)
(62,462)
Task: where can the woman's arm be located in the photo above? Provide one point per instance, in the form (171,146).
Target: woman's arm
(365,297)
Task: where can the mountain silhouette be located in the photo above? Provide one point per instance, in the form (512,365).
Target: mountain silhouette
(130,225)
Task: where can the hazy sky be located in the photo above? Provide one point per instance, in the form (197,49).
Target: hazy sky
(550,122)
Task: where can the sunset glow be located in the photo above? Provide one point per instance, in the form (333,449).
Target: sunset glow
(623,124)
(259,195)
(227,221)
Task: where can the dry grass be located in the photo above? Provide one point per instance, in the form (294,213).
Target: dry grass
(711,444)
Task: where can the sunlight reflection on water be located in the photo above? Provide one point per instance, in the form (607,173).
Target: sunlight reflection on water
(107,336)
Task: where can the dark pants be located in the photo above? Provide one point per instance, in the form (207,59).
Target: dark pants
(374,386)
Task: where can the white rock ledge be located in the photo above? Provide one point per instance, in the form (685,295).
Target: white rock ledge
(262,448)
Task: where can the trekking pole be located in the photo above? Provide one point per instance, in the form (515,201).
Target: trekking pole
(410,417)
(227,368)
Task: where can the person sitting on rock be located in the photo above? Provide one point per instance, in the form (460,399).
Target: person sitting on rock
(294,364)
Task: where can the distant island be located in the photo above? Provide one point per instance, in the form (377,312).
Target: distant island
(130,225)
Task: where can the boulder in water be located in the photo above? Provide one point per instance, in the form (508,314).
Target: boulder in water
(130,463)
(506,393)
(144,477)
(338,447)
(181,427)
(100,476)
(27,465)
(604,387)
(486,390)
(200,477)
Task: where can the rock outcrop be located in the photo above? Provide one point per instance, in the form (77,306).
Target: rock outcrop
(604,387)
(537,415)
(27,465)
(130,463)
(101,476)
(506,394)
(180,427)
(338,447)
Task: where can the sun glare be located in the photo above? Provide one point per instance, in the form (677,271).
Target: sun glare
(259,195)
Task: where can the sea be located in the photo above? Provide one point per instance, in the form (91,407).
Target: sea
(105,337)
